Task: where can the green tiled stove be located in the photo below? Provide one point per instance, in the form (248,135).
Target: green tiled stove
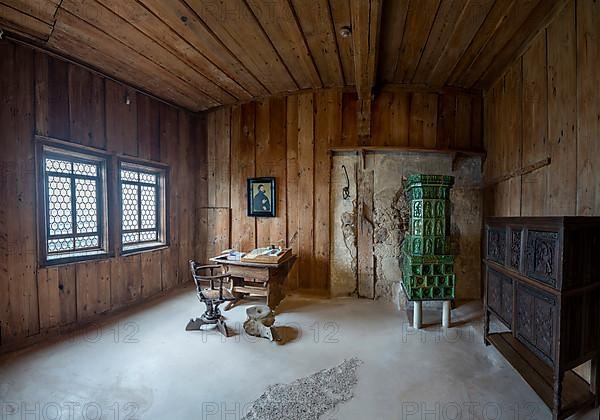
(428,269)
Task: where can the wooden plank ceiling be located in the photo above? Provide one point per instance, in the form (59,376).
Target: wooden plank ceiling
(200,54)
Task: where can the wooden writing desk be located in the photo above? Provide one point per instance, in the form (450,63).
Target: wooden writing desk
(258,278)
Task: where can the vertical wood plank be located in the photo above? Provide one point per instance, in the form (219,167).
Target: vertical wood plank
(169,154)
(349,120)
(17,118)
(93,289)
(423,120)
(148,129)
(588,106)
(125,280)
(243,227)
(151,273)
(219,181)
(185,187)
(399,116)
(41,93)
(292,185)
(57,102)
(463,122)
(57,296)
(86,107)
(328,128)
(306,146)
(271,161)
(477,124)
(446,129)
(121,119)
(201,177)
(214,232)
(562,113)
(380,118)
(511,138)
(535,126)
(201,154)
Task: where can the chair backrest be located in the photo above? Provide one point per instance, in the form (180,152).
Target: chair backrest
(193,267)
(210,277)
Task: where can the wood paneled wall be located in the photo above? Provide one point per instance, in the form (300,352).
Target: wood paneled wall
(46,96)
(290,138)
(547,104)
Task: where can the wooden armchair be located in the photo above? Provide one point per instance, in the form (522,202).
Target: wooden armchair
(212,295)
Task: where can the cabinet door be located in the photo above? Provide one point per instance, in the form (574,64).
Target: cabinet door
(507,300)
(500,295)
(536,321)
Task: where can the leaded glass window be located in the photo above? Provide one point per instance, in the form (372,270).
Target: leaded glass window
(142,206)
(74,205)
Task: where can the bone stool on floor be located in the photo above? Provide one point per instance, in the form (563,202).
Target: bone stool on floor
(260,321)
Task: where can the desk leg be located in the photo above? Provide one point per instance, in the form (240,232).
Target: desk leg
(234,281)
(275,291)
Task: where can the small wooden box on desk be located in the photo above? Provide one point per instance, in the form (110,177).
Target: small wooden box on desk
(542,281)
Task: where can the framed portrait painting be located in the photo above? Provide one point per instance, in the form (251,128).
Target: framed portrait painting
(261,197)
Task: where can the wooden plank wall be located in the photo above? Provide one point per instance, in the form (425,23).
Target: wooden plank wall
(46,96)
(547,105)
(289,138)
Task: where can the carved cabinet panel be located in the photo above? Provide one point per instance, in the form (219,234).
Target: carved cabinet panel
(536,320)
(542,255)
(496,245)
(514,261)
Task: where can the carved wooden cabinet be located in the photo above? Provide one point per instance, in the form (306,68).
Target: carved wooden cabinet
(542,281)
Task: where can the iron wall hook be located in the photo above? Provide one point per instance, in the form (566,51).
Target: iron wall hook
(346,189)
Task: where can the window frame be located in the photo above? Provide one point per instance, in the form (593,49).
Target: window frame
(53,148)
(162,204)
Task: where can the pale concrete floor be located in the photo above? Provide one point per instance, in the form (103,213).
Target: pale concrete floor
(144,361)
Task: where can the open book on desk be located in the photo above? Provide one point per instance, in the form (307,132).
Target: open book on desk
(267,255)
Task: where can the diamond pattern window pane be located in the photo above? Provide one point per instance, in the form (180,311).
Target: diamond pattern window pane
(55,165)
(129,175)
(130,207)
(147,178)
(148,210)
(85,169)
(86,205)
(59,206)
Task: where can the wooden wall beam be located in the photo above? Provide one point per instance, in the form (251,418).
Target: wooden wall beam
(366,16)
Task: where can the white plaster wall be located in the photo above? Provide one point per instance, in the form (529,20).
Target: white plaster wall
(390,212)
